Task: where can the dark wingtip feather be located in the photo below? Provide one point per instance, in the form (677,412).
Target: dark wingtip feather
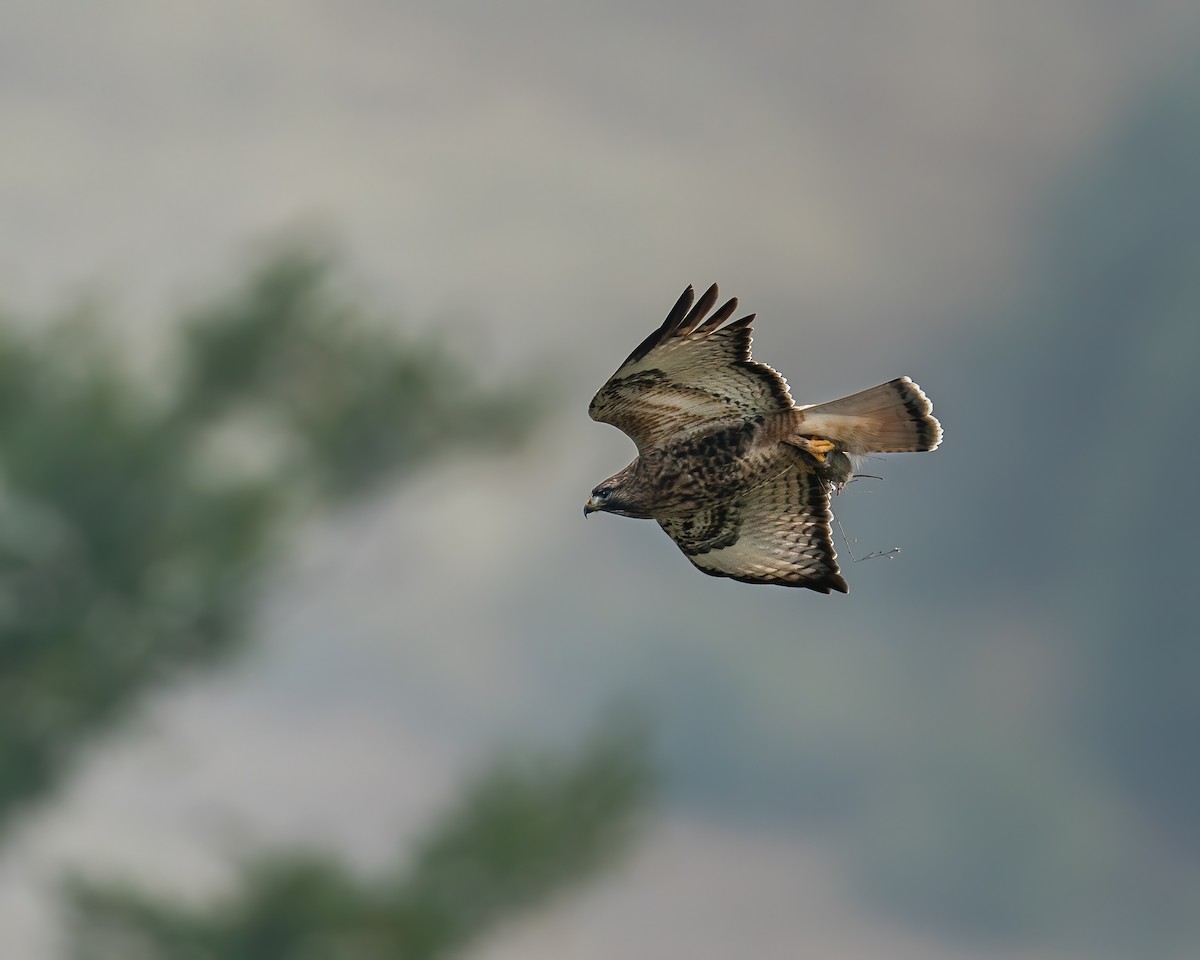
(674,318)
(697,313)
(687,317)
(834,583)
(718,318)
(679,311)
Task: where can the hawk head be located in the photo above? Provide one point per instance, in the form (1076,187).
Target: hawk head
(618,494)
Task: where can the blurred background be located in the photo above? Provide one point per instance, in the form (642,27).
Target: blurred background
(305,647)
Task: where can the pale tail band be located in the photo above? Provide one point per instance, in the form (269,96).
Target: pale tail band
(895,417)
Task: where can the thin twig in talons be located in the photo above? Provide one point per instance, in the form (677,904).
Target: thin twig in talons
(845,539)
(850,548)
(877,553)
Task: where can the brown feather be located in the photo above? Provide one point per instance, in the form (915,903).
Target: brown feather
(689,374)
(674,318)
(735,473)
(778,532)
(894,417)
(697,313)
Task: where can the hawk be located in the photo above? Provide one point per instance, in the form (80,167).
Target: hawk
(735,473)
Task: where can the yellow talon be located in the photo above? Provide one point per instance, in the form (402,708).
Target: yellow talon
(817,447)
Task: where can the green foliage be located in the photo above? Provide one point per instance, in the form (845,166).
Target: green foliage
(133,531)
(356,405)
(135,522)
(522,832)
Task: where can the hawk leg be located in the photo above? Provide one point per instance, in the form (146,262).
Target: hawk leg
(830,463)
(815,447)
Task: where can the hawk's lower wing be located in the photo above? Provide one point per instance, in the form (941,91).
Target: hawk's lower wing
(776,533)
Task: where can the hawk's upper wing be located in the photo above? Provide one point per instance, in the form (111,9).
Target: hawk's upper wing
(689,372)
(777,532)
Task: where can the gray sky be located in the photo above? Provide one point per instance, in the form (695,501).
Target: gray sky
(860,175)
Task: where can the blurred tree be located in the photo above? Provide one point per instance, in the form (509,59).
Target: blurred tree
(350,404)
(135,517)
(522,832)
(135,520)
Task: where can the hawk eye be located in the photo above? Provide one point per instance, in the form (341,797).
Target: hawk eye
(602,493)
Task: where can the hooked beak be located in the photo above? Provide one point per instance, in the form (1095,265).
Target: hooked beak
(592,506)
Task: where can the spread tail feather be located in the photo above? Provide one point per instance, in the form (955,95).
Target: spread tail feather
(895,417)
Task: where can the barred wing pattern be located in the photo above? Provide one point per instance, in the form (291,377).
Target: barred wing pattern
(778,532)
(690,373)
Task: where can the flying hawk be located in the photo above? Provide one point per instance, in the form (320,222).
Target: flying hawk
(735,473)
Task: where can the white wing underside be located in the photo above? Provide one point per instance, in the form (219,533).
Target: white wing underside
(779,532)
